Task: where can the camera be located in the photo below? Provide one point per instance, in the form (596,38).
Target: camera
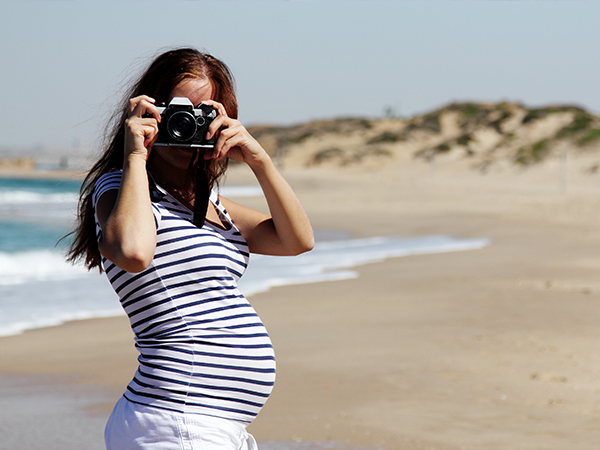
(184,125)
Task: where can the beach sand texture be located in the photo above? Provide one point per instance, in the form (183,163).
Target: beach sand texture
(485,349)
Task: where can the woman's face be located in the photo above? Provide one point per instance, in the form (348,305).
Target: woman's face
(197,90)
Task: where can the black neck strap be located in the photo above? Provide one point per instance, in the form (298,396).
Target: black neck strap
(201,197)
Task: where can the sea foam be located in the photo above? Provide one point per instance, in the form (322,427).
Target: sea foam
(28,197)
(36,265)
(332,261)
(38,288)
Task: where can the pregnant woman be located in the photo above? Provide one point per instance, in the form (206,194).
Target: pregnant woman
(173,249)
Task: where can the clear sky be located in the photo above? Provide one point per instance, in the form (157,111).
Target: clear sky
(63,63)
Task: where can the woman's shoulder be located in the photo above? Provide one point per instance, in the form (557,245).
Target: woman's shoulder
(116,174)
(107,181)
(219,202)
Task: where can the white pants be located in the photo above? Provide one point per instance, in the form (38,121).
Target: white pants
(137,427)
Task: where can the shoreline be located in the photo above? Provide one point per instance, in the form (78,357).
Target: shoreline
(334,258)
(70,175)
(486,349)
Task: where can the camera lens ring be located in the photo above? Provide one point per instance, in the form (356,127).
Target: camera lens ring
(181,126)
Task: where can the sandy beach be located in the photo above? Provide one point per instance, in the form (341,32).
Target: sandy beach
(484,349)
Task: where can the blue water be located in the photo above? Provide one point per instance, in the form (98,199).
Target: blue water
(38,288)
(35,214)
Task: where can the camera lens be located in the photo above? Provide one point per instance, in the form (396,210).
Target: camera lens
(182,126)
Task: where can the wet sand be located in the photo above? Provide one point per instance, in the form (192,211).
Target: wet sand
(486,349)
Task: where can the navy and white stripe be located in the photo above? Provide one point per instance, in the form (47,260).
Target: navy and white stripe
(203,349)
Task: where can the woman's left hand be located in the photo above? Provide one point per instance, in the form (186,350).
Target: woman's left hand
(234,141)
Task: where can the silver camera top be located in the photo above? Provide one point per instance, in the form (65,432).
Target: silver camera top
(181,102)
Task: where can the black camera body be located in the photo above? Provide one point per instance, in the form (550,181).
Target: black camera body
(183,125)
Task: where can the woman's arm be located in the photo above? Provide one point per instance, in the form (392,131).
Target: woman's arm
(286,230)
(128,227)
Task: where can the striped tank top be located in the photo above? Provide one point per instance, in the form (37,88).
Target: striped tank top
(203,349)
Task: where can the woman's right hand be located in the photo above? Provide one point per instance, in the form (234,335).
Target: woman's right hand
(125,216)
(141,131)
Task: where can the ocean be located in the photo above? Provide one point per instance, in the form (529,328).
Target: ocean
(38,288)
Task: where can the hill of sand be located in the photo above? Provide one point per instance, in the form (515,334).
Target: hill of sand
(482,137)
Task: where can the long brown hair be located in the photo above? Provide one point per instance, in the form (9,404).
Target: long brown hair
(161,77)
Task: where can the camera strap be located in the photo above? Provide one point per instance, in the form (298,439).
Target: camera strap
(202,195)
